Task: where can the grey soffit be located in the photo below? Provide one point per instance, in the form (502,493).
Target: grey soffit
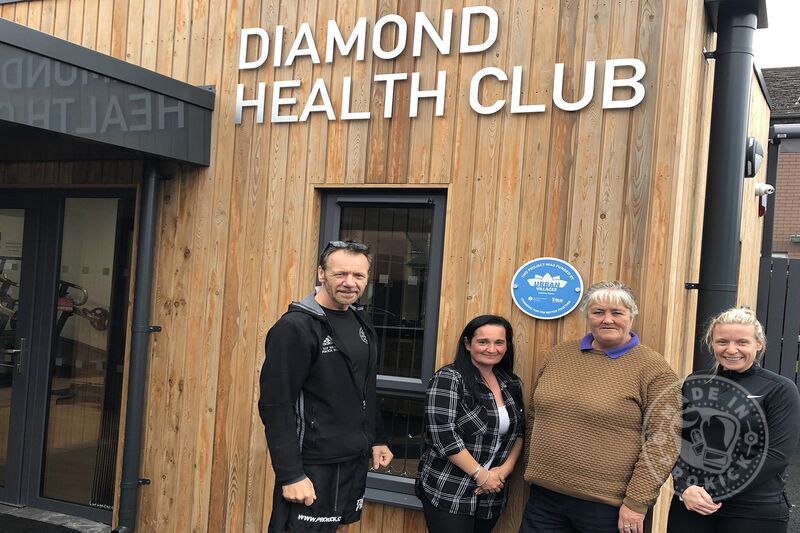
(76,96)
(26,144)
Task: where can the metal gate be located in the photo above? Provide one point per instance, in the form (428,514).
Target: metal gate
(779,311)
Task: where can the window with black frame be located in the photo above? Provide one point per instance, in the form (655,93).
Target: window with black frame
(405,233)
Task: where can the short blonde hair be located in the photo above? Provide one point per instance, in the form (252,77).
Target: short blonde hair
(610,291)
(743,316)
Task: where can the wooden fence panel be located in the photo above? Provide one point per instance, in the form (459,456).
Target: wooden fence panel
(778,294)
(791,323)
(775,312)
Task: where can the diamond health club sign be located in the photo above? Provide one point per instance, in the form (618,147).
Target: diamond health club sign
(547,288)
(272,53)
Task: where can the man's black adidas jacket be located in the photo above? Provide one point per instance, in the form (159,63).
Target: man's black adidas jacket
(313,410)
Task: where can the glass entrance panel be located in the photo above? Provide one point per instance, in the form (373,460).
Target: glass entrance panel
(85,383)
(11,227)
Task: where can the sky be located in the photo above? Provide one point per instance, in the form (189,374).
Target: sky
(777,46)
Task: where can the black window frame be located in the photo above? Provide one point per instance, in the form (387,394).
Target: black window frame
(387,488)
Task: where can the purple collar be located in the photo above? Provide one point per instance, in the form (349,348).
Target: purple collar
(586,344)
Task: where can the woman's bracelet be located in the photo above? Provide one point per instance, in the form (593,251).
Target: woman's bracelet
(475,473)
(484,480)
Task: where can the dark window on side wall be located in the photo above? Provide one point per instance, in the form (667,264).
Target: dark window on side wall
(405,232)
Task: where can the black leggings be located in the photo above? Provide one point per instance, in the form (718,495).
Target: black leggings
(439,521)
(765,518)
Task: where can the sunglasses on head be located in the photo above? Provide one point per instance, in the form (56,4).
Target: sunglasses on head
(346,245)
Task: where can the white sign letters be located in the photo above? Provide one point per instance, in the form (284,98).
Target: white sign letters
(288,100)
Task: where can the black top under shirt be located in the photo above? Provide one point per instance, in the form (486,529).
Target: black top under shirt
(350,339)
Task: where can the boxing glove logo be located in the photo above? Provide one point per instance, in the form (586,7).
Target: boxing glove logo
(724,436)
(720,429)
(712,438)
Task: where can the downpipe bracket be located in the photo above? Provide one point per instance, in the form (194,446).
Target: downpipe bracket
(146,329)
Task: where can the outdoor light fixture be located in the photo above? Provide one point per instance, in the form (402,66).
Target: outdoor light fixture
(754,154)
(763,189)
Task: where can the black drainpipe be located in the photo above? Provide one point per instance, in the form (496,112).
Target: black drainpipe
(137,367)
(719,256)
(772,179)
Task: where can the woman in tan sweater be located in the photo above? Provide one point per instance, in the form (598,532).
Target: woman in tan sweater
(602,432)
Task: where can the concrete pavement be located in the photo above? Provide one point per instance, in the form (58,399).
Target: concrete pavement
(793,491)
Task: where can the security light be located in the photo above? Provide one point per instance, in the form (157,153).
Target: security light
(754,154)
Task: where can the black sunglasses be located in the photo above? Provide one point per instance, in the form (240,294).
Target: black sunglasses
(346,245)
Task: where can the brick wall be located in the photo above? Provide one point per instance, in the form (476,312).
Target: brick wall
(786,203)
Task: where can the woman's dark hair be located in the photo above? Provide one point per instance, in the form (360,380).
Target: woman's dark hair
(463,361)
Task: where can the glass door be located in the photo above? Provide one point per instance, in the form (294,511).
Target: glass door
(18,220)
(65,263)
(88,347)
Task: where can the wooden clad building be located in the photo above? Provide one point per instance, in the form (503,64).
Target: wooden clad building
(408,147)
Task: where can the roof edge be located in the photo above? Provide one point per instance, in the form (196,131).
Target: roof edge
(763,84)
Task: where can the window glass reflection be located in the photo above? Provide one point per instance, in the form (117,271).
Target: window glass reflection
(402,421)
(11,230)
(88,351)
(400,239)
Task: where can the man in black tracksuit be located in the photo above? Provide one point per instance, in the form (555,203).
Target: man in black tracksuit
(318,401)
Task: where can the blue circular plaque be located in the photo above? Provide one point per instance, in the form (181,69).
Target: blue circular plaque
(547,288)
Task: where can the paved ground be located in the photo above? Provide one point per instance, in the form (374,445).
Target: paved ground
(78,524)
(87,526)
(793,491)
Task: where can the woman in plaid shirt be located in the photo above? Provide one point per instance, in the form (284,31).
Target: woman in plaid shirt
(474,429)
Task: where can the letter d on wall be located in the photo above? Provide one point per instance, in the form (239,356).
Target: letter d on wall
(466,18)
(264,37)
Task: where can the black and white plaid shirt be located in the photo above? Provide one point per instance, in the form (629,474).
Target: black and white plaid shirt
(455,421)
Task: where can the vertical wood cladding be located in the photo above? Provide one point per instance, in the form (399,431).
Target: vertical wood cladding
(618,193)
(752,224)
